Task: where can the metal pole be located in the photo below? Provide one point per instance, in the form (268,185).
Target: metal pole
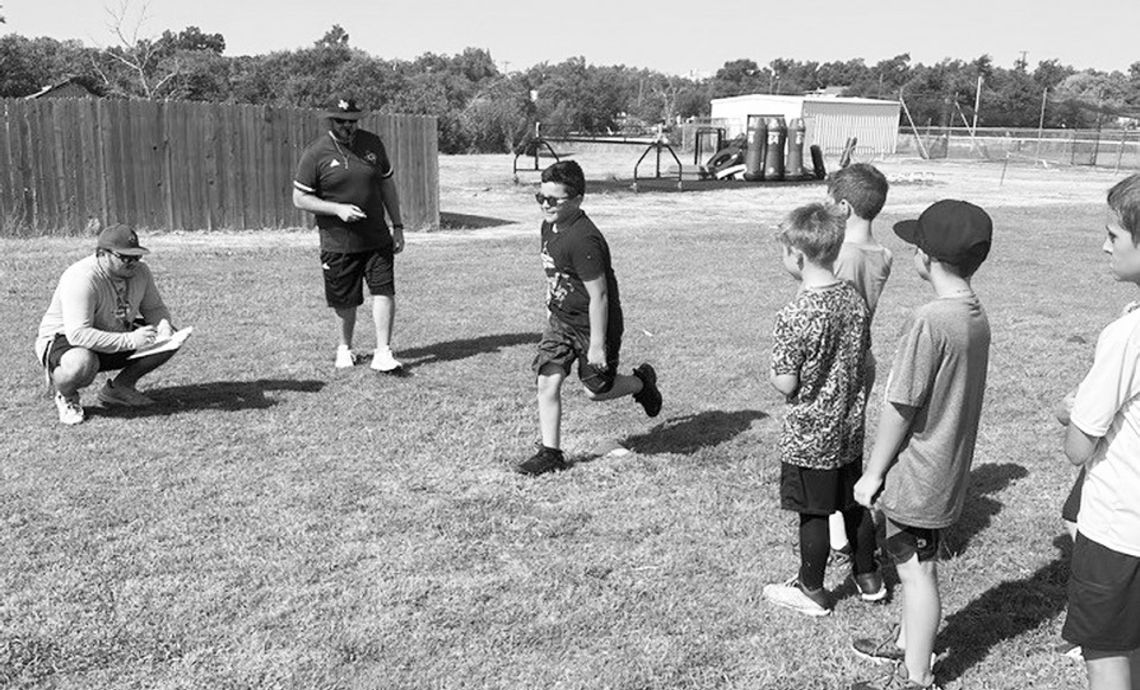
(977,102)
(1041,122)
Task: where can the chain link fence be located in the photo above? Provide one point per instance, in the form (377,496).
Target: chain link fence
(1118,149)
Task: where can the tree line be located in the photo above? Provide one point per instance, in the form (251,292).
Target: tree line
(481,108)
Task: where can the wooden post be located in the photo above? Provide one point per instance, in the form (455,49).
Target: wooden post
(917,138)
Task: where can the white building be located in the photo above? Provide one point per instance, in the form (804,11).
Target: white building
(829,120)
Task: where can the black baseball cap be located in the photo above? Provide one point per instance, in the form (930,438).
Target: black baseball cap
(950,230)
(120,239)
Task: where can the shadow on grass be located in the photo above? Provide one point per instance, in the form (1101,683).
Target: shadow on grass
(691,433)
(217,395)
(980,508)
(464,221)
(1004,612)
(462,349)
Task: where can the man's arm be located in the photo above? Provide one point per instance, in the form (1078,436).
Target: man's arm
(392,204)
(599,318)
(77,306)
(307,201)
(894,425)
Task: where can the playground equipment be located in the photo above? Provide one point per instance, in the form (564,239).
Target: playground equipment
(657,144)
(770,150)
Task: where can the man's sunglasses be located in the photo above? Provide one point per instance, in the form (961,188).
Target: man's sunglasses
(126,258)
(341,121)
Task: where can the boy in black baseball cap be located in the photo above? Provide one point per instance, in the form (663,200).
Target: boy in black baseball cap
(919,467)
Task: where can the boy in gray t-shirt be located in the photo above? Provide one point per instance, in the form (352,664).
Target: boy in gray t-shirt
(919,467)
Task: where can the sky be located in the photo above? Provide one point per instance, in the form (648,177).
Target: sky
(684,38)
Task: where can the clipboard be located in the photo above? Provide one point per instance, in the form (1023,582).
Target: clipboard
(169,345)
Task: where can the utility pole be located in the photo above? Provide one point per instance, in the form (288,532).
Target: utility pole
(977,104)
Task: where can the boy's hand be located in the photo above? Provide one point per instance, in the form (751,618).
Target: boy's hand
(596,357)
(1064,409)
(867,490)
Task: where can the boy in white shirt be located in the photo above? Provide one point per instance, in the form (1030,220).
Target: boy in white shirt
(1103,437)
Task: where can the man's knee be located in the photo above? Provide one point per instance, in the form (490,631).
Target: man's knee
(77,367)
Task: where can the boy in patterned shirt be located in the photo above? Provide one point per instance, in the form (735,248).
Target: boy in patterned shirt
(819,352)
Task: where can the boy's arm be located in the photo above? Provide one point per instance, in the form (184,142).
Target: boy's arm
(1064,409)
(1079,446)
(599,317)
(785,383)
(894,425)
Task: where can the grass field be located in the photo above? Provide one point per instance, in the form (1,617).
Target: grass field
(274,523)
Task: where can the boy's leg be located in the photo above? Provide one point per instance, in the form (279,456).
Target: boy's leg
(624,384)
(384,315)
(813,550)
(1110,670)
(550,379)
(921,613)
(859,528)
(837,532)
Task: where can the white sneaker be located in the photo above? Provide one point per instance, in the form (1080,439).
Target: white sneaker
(382,360)
(70,411)
(792,596)
(344,357)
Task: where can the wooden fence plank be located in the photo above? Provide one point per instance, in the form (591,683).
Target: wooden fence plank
(181,165)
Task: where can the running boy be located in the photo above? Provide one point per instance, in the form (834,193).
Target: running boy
(585,318)
(1102,438)
(929,423)
(819,346)
(859,190)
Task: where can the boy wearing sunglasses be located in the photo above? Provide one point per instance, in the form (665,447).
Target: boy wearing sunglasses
(585,318)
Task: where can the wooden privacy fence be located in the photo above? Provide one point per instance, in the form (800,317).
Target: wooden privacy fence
(181,166)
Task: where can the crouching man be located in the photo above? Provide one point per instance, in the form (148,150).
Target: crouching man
(105,307)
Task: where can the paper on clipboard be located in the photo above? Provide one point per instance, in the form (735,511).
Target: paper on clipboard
(169,345)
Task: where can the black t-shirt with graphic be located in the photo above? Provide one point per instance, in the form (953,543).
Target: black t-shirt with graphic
(574,254)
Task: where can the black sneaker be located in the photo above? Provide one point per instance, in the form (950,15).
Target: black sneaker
(648,396)
(545,460)
(870,585)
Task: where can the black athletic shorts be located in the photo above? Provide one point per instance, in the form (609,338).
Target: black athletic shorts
(1104,598)
(818,492)
(345,275)
(108,361)
(902,542)
(562,343)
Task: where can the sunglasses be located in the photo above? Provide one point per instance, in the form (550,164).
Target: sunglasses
(126,258)
(544,200)
(342,121)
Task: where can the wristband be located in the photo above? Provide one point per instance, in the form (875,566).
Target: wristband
(397,226)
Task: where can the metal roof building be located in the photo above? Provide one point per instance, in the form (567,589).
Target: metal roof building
(829,120)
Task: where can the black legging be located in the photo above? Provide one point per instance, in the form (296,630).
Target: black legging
(815,544)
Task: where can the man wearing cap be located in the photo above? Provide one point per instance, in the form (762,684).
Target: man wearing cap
(344,178)
(104,308)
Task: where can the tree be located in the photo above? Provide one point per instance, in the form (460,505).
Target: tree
(334,37)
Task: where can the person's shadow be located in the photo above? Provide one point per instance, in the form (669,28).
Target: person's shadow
(980,508)
(462,349)
(216,395)
(1004,612)
(690,433)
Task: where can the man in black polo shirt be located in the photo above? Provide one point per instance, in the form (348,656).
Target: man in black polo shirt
(345,179)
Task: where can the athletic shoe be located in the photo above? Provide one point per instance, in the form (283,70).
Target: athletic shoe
(649,396)
(896,680)
(345,357)
(384,362)
(110,394)
(545,460)
(838,558)
(870,585)
(882,650)
(792,595)
(70,411)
